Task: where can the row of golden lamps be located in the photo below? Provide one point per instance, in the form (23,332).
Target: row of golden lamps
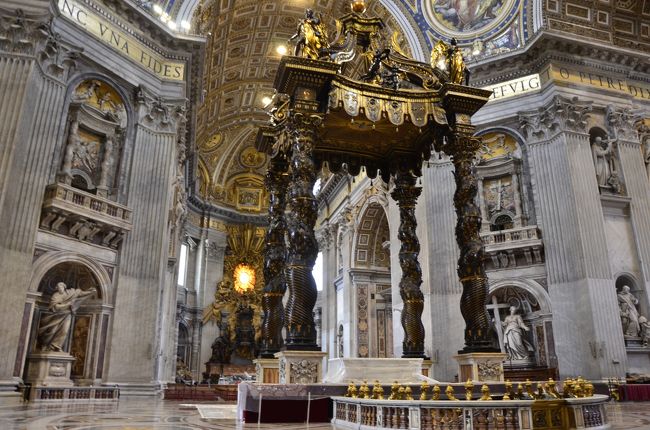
(572,388)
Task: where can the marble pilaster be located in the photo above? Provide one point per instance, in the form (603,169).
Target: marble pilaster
(570,215)
(141,297)
(32,84)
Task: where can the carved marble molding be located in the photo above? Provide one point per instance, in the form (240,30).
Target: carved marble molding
(561,114)
(326,236)
(160,114)
(33,36)
(621,123)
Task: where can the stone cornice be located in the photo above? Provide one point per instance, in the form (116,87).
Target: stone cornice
(547,47)
(226,215)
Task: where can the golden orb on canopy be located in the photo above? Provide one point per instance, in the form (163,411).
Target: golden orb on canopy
(358,6)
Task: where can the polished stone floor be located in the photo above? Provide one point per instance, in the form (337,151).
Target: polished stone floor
(172,415)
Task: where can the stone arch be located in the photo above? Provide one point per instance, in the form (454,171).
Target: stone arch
(534,306)
(87,338)
(50,260)
(530,286)
(78,78)
(371,232)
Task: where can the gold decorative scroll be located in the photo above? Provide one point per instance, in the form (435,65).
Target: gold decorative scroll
(121,42)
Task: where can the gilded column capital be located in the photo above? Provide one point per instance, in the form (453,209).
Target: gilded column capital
(561,114)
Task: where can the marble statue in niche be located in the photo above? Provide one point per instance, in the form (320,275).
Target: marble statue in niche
(54,327)
(645,331)
(499,196)
(627,304)
(607,175)
(79,154)
(514,340)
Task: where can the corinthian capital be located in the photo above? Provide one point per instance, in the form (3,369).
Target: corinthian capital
(32,35)
(160,114)
(622,122)
(561,114)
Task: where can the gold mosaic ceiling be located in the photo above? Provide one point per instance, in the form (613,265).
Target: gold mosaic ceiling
(240,66)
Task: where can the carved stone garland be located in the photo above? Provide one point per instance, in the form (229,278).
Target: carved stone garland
(274,258)
(302,247)
(471,270)
(406,195)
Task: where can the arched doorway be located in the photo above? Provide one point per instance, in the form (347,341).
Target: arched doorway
(86,338)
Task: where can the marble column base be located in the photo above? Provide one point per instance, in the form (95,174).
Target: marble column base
(9,394)
(50,369)
(480,366)
(385,370)
(267,370)
(300,367)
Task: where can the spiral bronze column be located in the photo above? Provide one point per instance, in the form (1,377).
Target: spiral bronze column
(302,247)
(274,257)
(406,195)
(471,269)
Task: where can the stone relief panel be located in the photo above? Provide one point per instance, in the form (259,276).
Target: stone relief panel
(363,346)
(95,135)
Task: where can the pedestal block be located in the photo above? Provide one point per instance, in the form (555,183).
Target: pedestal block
(385,370)
(267,370)
(50,369)
(300,367)
(480,366)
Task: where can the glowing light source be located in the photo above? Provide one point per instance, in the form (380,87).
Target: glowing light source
(164,17)
(185,25)
(442,65)
(281,49)
(172,25)
(157,9)
(244,278)
(266,100)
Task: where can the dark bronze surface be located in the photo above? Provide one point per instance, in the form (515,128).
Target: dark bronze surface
(274,258)
(406,195)
(302,247)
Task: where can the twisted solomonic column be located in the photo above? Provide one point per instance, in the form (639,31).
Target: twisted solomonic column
(406,195)
(471,270)
(302,247)
(274,257)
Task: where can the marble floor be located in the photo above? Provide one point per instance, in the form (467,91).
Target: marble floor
(172,415)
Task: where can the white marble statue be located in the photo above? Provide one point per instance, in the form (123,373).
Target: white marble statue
(603,154)
(645,331)
(629,314)
(516,345)
(54,327)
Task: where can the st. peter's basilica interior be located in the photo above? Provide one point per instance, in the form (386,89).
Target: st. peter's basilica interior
(334,214)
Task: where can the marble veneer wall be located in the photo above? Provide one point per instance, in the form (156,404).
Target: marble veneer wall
(41,60)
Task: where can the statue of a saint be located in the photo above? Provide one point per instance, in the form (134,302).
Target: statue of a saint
(55,326)
(606,172)
(516,345)
(645,331)
(629,314)
(312,37)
